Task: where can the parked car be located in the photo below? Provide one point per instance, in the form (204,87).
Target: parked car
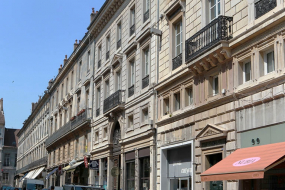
(82,187)
(33,184)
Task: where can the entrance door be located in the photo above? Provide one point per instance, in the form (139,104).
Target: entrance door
(212,160)
(180,184)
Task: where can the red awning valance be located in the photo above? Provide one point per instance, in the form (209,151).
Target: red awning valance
(246,163)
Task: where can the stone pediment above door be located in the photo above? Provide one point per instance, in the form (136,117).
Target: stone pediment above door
(211,131)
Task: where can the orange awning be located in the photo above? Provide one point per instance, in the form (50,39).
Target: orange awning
(246,163)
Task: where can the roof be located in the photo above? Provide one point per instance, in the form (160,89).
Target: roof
(247,163)
(2,118)
(10,138)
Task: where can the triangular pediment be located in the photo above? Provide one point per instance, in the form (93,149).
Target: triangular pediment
(117,59)
(211,130)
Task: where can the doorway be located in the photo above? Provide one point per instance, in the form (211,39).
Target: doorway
(211,160)
(180,184)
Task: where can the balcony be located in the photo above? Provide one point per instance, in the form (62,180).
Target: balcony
(107,55)
(132,29)
(177,61)
(119,44)
(264,6)
(146,16)
(68,128)
(217,31)
(37,163)
(145,81)
(131,90)
(116,100)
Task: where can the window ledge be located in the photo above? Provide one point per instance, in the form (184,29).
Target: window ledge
(88,73)
(130,130)
(144,124)
(132,37)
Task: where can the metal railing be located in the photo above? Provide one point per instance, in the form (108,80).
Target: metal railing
(67,128)
(177,61)
(113,100)
(146,16)
(107,55)
(208,37)
(97,112)
(118,43)
(39,162)
(264,6)
(132,29)
(145,81)
(131,90)
(99,63)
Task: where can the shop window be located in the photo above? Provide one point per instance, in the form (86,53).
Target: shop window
(246,71)
(144,172)
(268,62)
(177,101)
(130,175)
(189,96)
(166,109)
(211,160)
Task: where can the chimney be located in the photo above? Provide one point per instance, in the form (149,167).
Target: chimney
(1,104)
(65,60)
(79,41)
(92,15)
(34,105)
(40,97)
(75,45)
(50,83)
(60,68)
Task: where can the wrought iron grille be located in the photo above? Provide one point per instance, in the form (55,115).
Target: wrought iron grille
(146,16)
(119,44)
(113,100)
(107,55)
(131,90)
(79,120)
(99,63)
(264,6)
(97,112)
(177,61)
(145,81)
(208,37)
(42,161)
(132,29)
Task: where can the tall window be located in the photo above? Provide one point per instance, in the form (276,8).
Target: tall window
(130,175)
(119,35)
(118,80)
(99,56)
(246,71)
(144,172)
(132,21)
(215,9)
(166,109)
(107,89)
(5,177)
(63,152)
(71,82)
(68,149)
(87,99)
(53,158)
(269,62)
(98,97)
(215,85)
(70,111)
(58,155)
(66,88)
(107,47)
(177,101)
(79,71)
(88,61)
(132,73)
(62,88)
(146,62)
(146,10)
(178,38)
(7,160)
(189,96)
(78,104)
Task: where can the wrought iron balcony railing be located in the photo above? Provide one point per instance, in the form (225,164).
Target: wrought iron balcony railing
(131,90)
(67,128)
(119,44)
(177,61)
(113,100)
(132,29)
(264,6)
(107,55)
(146,16)
(145,81)
(39,162)
(99,63)
(218,30)
(97,112)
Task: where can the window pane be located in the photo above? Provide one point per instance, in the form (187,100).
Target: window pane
(270,62)
(213,12)
(216,85)
(247,70)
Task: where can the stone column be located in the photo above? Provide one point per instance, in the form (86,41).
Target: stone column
(122,171)
(101,171)
(109,176)
(91,179)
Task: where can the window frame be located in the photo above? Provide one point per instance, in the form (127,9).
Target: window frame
(180,45)
(265,59)
(244,71)
(214,77)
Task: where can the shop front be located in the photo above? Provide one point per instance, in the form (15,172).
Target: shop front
(258,168)
(177,166)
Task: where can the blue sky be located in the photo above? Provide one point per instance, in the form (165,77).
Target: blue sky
(34,38)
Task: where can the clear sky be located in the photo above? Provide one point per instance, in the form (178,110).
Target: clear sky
(35,35)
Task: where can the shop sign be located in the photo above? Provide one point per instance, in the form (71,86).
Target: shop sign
(85,162)
(94,164)
(246,161)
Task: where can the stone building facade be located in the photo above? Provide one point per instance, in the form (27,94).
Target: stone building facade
(2,131)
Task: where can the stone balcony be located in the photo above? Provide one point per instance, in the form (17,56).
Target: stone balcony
(114,102)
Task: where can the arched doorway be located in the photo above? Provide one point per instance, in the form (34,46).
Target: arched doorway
(116,152)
